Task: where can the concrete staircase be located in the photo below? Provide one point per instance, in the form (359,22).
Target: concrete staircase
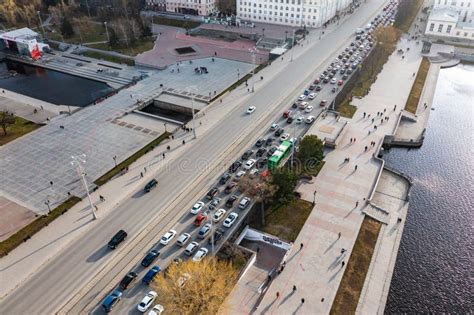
(377,213)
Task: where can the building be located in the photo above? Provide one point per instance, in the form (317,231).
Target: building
(192,7)
(451,21)
(22,41)
(309,13)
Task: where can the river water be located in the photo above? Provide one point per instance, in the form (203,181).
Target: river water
(434,268)
(51,86)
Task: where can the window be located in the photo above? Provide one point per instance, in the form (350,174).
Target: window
(465,34)
(458,33)
(448,30)
(440,28)
(432,27)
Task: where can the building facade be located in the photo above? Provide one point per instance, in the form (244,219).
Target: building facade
(451,21)
(192,7)
(309,13)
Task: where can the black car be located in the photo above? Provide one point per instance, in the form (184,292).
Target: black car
(312,87)
(127,280)
(224,178)
(230,202)
(326,80)
(349,71)
(345,76)
(212,193)
(279,132)
(271,151)
(260,142)
(261,152)
(230,187)
(247,154)
(342,71)
(262,162)
(289,120)
(150,257)
(235,166)
(269,141)
(294,105)
(319,88)
(217,236)
(151,184)
(117,239)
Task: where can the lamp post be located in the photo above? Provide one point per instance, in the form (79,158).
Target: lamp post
(88,10)
(107,32)
(115,160)
(47,204)
(314,197)
(253,51)
(292,45)
(192,108)
(41,22)
(79,162)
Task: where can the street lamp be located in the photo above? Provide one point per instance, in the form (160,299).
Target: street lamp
(253,51)
(41,22)
(314,197)
(115,160)
(107,31)
(79,162)
(292,45)
(47,204)
(192,108)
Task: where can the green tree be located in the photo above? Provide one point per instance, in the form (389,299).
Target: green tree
(258,188)
(285,181)
(310,151)
(66,28)
(113,38)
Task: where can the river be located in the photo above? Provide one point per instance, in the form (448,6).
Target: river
(433,272)
(51,86)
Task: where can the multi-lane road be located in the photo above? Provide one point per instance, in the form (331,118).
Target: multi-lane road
(87,266)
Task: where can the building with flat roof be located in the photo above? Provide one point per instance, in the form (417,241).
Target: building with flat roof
(308,13)
(192,7)
(451,24)
(22,41)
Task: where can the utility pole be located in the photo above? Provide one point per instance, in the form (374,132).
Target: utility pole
(88,10)
(78,162)
(41,23)
(107,32)
(292,45)
(253,51)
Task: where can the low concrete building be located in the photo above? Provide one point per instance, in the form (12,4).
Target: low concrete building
(450,24)
(192,7)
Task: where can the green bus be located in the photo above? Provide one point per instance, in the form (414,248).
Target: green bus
(281,153)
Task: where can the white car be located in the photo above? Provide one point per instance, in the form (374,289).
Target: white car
(333,81)
(293,140)
(197,207)
(202,252)
(284,137)
(274,126)
(312,96)
(240,174)
(147,301)
(254,171)
(191,248)
(299,120)
(251,109)
(156,310)
(302,97)
(218,215)
(308,109)
(249,164)
(183,239)
(165,239)
(229,221)
(309,119)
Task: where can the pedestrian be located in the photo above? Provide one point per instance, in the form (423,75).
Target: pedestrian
(368,116)
(322,300)
(375,127)
(184,142)
(51,183)
(354,140)
(369,133)
(302,301)
(384,110)
(278,294)
(200,123)
(96,208)
(261,78)
(364,114)
(41,106)
(343,251)
(294,288)
(342,264)
(301,246)
(394,107)
(101,198)
(141,174)
(355,168)
(357,203)
(168,148)
(145,168)
(381,121)
(365,149)
(131,96)
(178,70)
(258,249)
(164,156)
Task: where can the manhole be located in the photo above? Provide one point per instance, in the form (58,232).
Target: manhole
(185,50)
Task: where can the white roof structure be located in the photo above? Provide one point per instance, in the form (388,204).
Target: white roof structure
(22,34)
(278,51)
(445,15)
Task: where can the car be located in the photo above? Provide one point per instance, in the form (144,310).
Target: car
(312,87)
(334,90)
(118,238)
(323,103)
(342,71)
(224,178)
(308,109)
(284,137)
(218,234)
(183,239)
(150,185)
(269,141)
(247,154)
(147,301)
(345,76)
(299,120)
(262,162)
(197,207)
(127,280)
(201,253)
(228,189)
(319,88)
(349,71)
(274,127)
(230,220)
(111,300)
(261,152)
(333,81)
(240,174)
(148,278)
(214,203)
(302,97)
(289,120)
(251,109)
(293,140)
(312,96)
(303,105)
(191,248)
(150,257)
(204,230)
(326,79)
(260,142)
(249,164)
(271,151)
(309,119)
(286,114)
(156,310)
(244,202)
(230,202)
(317,81)
(253,171)
(165,239)
(340,82)
(218,215)
(211,193)
(235,166)
(200,218)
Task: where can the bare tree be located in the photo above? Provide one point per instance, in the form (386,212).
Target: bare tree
(260,189)
(6,119)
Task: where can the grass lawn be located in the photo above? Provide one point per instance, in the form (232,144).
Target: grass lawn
(417,88)
(346,109)
(85,31)
(19,128)
(116,59)
(347,296)
(286,221)
(138,47)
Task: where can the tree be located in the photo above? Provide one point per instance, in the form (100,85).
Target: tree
(227,6)
(285,181)
(66,28)
(310,152)
(258,188)
(113,38)
(6,119)
(195,287)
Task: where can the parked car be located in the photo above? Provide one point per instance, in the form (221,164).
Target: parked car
(289,120)
(235,166)
(218,215)
(239,175)
(279,132)
(249,164)
(323,103)
(156,310)
(197,207)
(183,239)
(200,218)
(299,120)
(308,109)
(302,97)
(247,154)
(201,253)
(230,202)
(165,239)
(148,278)
(224,178)
(218,234)
(274,127)
(261,152)
(312,96)
(244,202)
(228,189)
(147,301)
(111,300)
(127,280)
(309,119)
(319,88)
(284,137)
(271,151)
(150,257)
(150,185)
(251,109)
(260,142)
(214,191)
(118,238)
(214,203)
(191,248)
(204,230)
(269,141)
(262,162)
(230,220)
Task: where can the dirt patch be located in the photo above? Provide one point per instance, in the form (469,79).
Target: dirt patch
(417,88)
(14,217)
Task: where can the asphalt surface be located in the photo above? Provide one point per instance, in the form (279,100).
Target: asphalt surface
(181,184)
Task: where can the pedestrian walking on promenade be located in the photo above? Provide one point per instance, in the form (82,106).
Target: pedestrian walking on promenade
(339,235)
(355,168)
(357,203)
(102,199)
(365,149)
(368,116)
(364,114)
(302,301)
(342,264)
(373,119)
(368,133)
(343,251)
(51,183)
(278,295)
(381,121)
(294,288)
(375,127)
(141,174)
(301,246)
(145,168)
(184,142)
(164,156)
(394,107)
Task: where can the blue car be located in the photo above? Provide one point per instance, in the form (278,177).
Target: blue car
(151,274)
(111,300)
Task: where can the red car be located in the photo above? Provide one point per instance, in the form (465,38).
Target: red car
(200,218)
(317,81)
(286,114)
(340,82)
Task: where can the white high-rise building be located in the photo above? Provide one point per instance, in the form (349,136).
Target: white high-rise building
(309,13)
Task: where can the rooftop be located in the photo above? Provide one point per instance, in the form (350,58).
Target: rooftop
(22,33)
(445,14)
